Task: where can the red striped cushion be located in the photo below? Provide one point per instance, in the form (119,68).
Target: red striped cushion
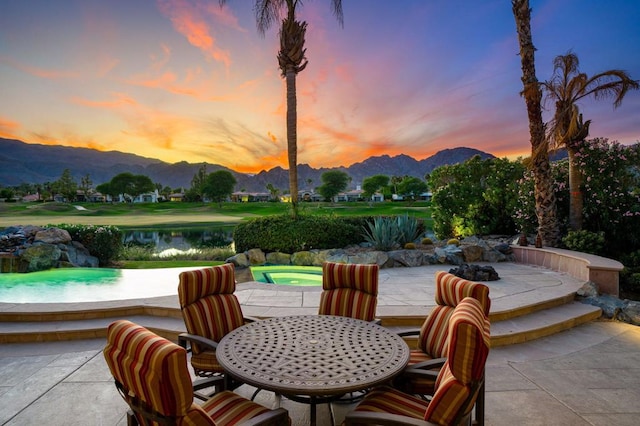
(389,400)
(451,289)
(209,307)
(448,400)
(434,331)
(469,334)
(228,408)
(469,342)
(349,290)
(151,368)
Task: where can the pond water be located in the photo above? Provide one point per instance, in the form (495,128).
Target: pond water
(165,239)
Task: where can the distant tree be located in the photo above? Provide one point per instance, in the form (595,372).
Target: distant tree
(333,182)
(395,180)
(130,186)
(7,193)
(412,187)
(373,184)
(273,191)
(219,185)
(66,186)
(85,186)
(107,189)
(198,182)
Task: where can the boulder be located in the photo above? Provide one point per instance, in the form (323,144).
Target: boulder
(278,258)
(40,257)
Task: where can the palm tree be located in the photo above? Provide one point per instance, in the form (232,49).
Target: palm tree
(548,228)
(567,129)
(291,60)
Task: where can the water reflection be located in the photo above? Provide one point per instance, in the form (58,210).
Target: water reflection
(179,239)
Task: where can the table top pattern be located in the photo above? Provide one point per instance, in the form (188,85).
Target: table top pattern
(313,354)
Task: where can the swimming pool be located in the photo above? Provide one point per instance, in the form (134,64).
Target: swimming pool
(288,275)
(88,285)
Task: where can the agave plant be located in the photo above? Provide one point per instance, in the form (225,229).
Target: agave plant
(382,233)
(408,229)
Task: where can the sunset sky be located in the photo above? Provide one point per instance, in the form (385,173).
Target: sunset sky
(186,80)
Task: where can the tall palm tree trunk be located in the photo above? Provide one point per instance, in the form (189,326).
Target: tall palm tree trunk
(544,197)
(576,200)
(292,138)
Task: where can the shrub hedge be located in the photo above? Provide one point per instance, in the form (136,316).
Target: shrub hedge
(284,234)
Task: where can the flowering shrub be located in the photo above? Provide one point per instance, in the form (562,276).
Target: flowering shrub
(472,198)
(584,241)
(103,242)
(611,178)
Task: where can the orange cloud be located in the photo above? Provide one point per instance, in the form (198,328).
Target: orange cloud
(38,72)
(120,100)
(8,128)
(187,20)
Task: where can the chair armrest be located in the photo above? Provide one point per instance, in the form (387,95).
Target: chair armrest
(183,338)
(406,333)
(278,416)
(376,418)
(431,364)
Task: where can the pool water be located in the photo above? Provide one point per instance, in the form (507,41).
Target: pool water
(288,275)
(88,285)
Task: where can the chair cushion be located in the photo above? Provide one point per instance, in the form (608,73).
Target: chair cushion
(349,290)
(448,400)
(451,289)
(388,400)
(228,408)
(469,334)
(206,361)
(196,284)
(209,307)
(348,303)
(151,368)
(350,275)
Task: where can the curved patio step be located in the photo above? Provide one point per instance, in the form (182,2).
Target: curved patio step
(517,329)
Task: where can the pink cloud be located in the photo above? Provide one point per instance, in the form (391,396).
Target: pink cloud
(187,20)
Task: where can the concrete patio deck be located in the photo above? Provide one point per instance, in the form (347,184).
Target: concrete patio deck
(587,375)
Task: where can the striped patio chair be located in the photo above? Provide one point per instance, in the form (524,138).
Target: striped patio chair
(349,290)
(210,310)
(457,384)
(151,375)
(426,360)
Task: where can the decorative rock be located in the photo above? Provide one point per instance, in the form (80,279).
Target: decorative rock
(631,313)
(475,273)
(39,257)
(302,258)
(52,236)
(278,258)
(240,260)
(406,258)
(256,257)
(589,289)
(472,253)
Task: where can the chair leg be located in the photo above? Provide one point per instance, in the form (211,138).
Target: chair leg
(480,406)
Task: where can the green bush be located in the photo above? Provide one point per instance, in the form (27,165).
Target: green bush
(103,242)
(283,234)
(426,241)
(584,241)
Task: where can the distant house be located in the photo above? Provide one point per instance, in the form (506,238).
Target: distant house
(250,197)
(178,196)
(31,198)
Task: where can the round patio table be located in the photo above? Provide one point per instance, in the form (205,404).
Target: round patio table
(312,358)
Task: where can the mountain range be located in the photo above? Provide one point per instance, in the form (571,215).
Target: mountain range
(22,162)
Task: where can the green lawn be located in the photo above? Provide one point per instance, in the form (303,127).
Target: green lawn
(188,214)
